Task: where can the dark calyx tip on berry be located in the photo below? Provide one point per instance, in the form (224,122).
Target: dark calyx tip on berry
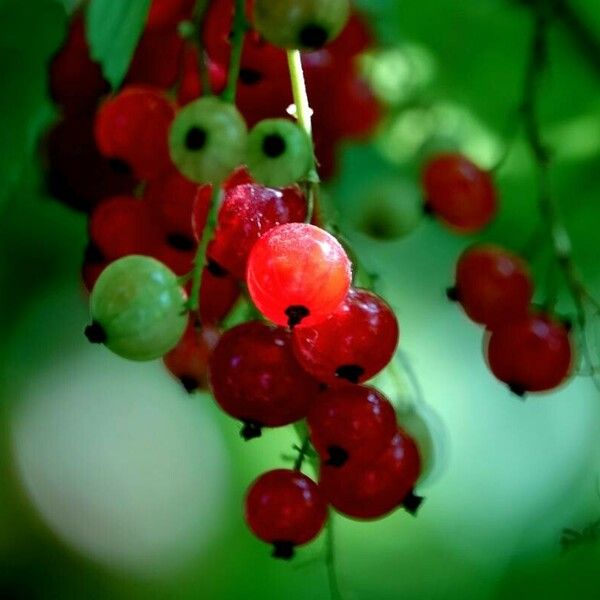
(273,145)
(196,138)
(338,457)
(251,430)
(95,333)
(180,241)
(517,389)
(452,294)
(351,373)
(295,314)
(283,549)
(567,324)
(412,502)
(313,35)
(189,383)
(215,269)
(427,210)
(119,166)
(250,76)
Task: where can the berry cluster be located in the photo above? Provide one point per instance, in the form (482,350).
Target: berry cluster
(527,348)
(198,204)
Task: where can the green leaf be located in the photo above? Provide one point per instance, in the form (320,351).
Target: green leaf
(113,30)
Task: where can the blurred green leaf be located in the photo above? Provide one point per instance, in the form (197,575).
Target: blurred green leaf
(113,30)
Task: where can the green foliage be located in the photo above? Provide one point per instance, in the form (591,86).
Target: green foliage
(114,29)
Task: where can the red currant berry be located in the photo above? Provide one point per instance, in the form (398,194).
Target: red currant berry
(298,274)
(532,354)
(285,508)
(492,285)
(190,87)
(188,361)
(168,13)
(459,193)
(123,225)
(240,176)
(353,344)
(255,378)
(248,211)
(219,292)
(177,252)
(373,491)
(351,425)
(76,82)
(133,126)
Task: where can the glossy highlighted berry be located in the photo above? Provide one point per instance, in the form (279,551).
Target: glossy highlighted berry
(532,354)
(133,127)
(285,508)
(255,378)
(279,152)
(137,309)
(188,361)
(459,193)
(353,344)
(351,425)
(208,140)
(298,274)
(493,285)
(302,24)
(374,490)
(247,212)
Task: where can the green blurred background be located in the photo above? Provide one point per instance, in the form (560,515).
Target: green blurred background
(116,484)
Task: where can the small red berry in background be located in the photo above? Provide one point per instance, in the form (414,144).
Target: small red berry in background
(168,13)
(285,508)
(459,193)
(298,274)
(531,354)
(133,126)
(375,490)
(219,291)
(351,425)
(493,285)
(353,344)
(255,378)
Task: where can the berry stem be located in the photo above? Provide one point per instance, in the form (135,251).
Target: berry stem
(334,588)
(550,214)
(304,117)
(302,453)
(240,26)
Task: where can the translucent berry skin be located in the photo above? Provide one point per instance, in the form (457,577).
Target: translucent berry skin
(188,361)
(374,490)
(279,152)
(298,274)
(133,127)
(353,344)
(248,211)
(285,508)
(351,426)
(300,24)
(208,140)
(137,309)
(255,377)
(493,285)
(123,225)
(532,354)
(459,193)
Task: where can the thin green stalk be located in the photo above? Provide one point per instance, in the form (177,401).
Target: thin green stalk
(302,453)
(240,26)
(334,588)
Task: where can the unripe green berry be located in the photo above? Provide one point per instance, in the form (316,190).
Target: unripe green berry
(300,24)
(279,152)
(137,308)
(208,140)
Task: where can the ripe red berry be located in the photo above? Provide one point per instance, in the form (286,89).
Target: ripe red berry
(492,285)
(248,211)
(76,82)
(373,491)
(190,87)
(123,225)
(298,274)
(459,193)
(177,252)
(168,13)
(133,126)
(188,361)
(219,292)
(353,344)
(352,425)
(285,508)
(255,378)
(532,354)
